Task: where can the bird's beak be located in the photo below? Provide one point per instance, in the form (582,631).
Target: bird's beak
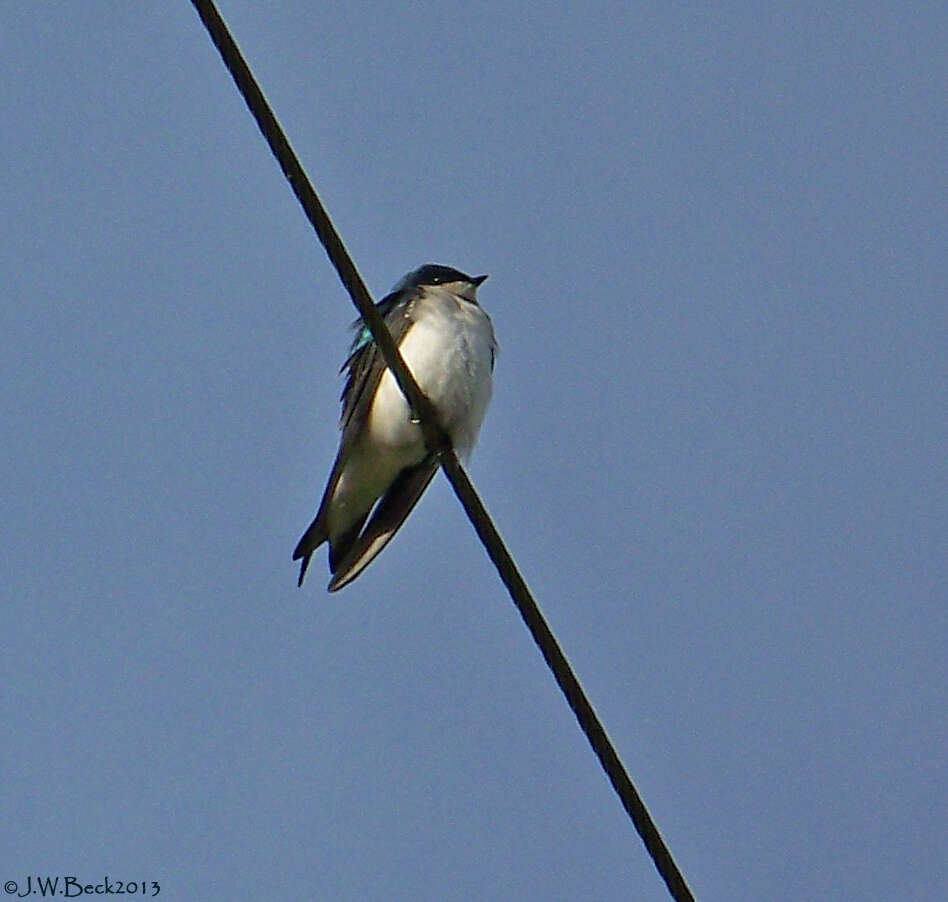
(478,279)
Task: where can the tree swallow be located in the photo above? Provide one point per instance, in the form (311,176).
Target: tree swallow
(382,466)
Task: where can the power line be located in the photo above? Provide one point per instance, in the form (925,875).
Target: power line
(439,443)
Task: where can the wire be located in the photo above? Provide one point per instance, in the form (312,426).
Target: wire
(439,443)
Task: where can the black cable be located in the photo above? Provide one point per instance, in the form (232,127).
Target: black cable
(438,441)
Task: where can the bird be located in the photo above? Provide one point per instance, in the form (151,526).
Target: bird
(383,467)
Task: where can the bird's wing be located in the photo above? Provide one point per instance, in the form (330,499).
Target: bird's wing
(365,365)
(364,368)
(389,514)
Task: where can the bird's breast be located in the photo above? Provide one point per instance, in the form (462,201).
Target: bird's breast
(449,350)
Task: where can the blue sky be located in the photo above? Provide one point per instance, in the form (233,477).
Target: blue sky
(716,241)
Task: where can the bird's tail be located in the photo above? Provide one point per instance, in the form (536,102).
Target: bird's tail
(316,533)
